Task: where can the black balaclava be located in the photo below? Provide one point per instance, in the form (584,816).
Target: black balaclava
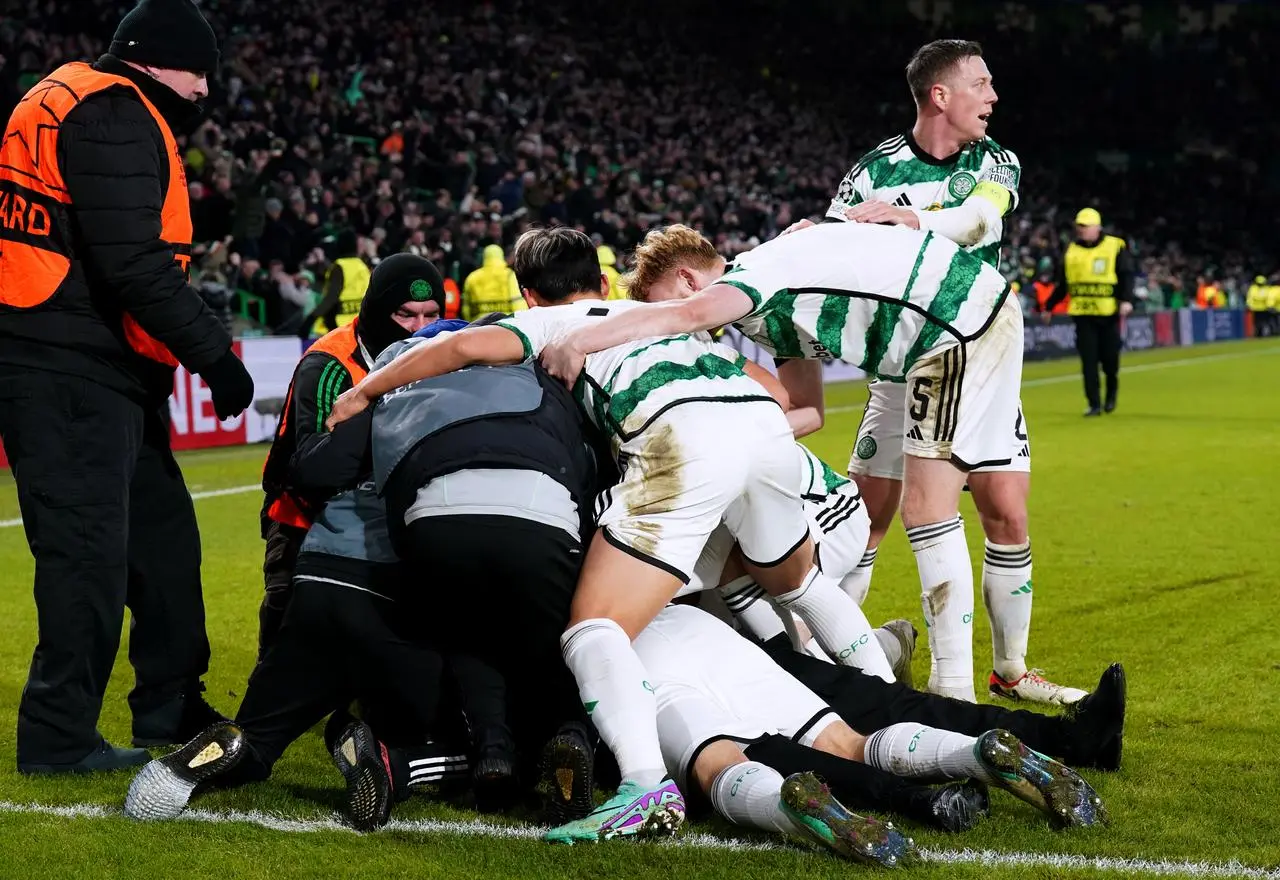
(396,280)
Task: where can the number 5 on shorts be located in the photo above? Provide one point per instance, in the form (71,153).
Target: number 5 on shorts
(919,394)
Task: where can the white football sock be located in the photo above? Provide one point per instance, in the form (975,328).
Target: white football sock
(1006,591)
(946,579)
(750,794)
(751,606)
(837,623)
(611,682)
(911,749)
(857,582)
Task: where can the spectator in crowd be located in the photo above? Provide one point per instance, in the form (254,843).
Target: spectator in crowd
(492,287)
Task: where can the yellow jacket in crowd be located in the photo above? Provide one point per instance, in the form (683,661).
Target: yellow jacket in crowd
(609,266)
(1259,295)
(491,288)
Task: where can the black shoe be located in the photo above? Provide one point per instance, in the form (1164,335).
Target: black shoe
(162,789)
(568,764)
(960,805)
(1098,721)
(364,764)
(493,774)
(1110,405)
(1093,411)
(176,722)
(104,758)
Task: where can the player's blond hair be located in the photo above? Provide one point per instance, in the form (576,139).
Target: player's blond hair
(663,250)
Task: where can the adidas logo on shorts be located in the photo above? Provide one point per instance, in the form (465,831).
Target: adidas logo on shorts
(915,434)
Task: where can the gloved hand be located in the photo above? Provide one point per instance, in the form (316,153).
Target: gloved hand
(231,384)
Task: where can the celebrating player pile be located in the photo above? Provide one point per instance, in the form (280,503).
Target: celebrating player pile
(902,304)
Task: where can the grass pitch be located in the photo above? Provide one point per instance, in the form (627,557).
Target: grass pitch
(1155,544)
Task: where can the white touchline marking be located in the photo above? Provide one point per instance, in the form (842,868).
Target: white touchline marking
(211,493)
(696,840)
(1124,371)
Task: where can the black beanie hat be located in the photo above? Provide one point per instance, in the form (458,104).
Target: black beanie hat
(167,33)
(396,280)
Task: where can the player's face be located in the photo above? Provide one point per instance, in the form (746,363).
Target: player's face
(682,283)
(970,98)
(413,316)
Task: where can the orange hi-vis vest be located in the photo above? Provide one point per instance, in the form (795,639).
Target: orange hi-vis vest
(35,235)
(342,345)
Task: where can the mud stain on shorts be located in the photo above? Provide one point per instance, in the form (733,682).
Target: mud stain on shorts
(657,485)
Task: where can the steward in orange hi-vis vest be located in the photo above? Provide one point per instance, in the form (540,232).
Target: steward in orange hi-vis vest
(95,314)
(95,234)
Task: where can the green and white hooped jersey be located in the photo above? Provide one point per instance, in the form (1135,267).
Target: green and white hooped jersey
(901,174)
(623,389)
(879,297)
(818,480)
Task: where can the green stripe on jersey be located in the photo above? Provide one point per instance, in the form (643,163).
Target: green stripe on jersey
(880,331)
(780,327)
(831,321)
(750,291)
(952,293)
(707,366)
(524,340)
(831,479)
(613,377)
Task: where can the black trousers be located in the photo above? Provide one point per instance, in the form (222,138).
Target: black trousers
(283,543)
(335,644)
(1098,341)
(504,584)
(868,703)
(110,523)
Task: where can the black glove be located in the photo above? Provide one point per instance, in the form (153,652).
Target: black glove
(231,384)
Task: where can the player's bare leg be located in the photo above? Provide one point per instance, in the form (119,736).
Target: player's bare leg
(835,620)
(930,514)
(1001,498)
(881,496)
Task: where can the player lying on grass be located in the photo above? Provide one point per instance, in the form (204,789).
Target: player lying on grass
(900,304)
(666,403)
(723,702)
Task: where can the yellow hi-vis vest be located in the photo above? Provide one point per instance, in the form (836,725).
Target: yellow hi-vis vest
(1091,276)
(355,282)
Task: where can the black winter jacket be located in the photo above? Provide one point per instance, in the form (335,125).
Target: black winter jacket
(112,157)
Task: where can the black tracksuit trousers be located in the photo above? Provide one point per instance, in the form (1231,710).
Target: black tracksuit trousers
(110,523)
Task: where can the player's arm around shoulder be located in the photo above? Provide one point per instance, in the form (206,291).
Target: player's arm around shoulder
(492,345)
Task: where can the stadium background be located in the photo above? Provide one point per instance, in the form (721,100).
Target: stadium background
(449,126)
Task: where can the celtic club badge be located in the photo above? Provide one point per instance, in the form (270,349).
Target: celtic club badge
(420,290)
(961,185)
(866,448)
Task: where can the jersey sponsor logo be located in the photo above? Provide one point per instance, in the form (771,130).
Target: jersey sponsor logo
(866,448)
(1004,175)
(961,184)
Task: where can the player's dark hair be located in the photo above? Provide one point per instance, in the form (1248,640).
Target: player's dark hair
(933,61)
(556,263)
